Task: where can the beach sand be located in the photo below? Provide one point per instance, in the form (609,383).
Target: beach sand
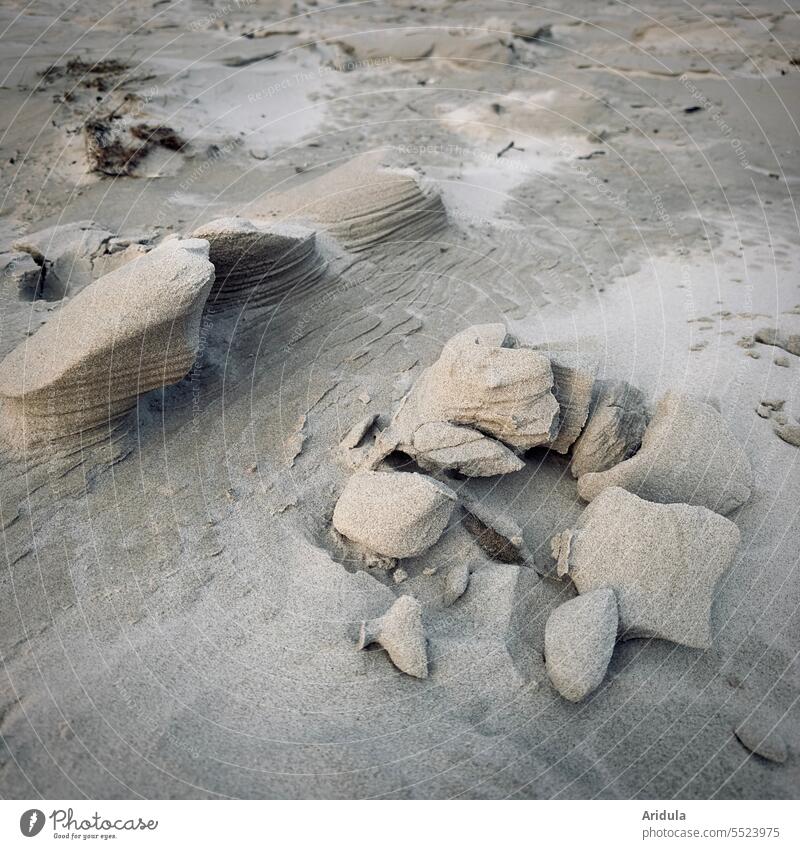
(178,618)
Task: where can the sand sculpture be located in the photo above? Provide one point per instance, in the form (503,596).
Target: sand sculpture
(134,329)
(394,514)
(688,455)
(260,264)
(579,640)
(663,562)
(643,568)
(400,631)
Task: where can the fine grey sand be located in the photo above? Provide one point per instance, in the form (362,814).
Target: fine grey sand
(607,192)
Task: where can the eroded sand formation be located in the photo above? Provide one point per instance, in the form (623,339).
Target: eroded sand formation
(481,387)
(259,264)
(379,185)
(645,568)
(132,330)
(363,203)
(688,454)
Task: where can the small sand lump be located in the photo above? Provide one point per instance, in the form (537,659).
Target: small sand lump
(401,633)
(662,560)
(760,736)
(396,514)
(578,643)
(455,583)
(688,455)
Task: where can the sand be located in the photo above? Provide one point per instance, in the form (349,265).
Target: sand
(179,620)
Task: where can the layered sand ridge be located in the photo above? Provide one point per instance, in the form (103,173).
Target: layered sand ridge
(134,329)
(258,264)
(362,203)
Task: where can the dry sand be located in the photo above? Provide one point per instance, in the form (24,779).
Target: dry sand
(178,619)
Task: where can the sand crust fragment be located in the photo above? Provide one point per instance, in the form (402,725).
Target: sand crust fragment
(573,381)
(579,641)
(663,561)
(481,392)
(441,446)
(455,582)
(400,631)
(614,430)
(688,455)
(394,514)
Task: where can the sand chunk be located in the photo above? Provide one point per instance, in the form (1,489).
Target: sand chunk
(438,446)
(260,264)
(65,254)
(480,387)
(663,562)
(613,433)
(758,734)
(352,439)
(789,433)
(781,338)
(396,514)
(401,633)
(578,643)
(573,379)
(131,331)
(688,455)
(455,582)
